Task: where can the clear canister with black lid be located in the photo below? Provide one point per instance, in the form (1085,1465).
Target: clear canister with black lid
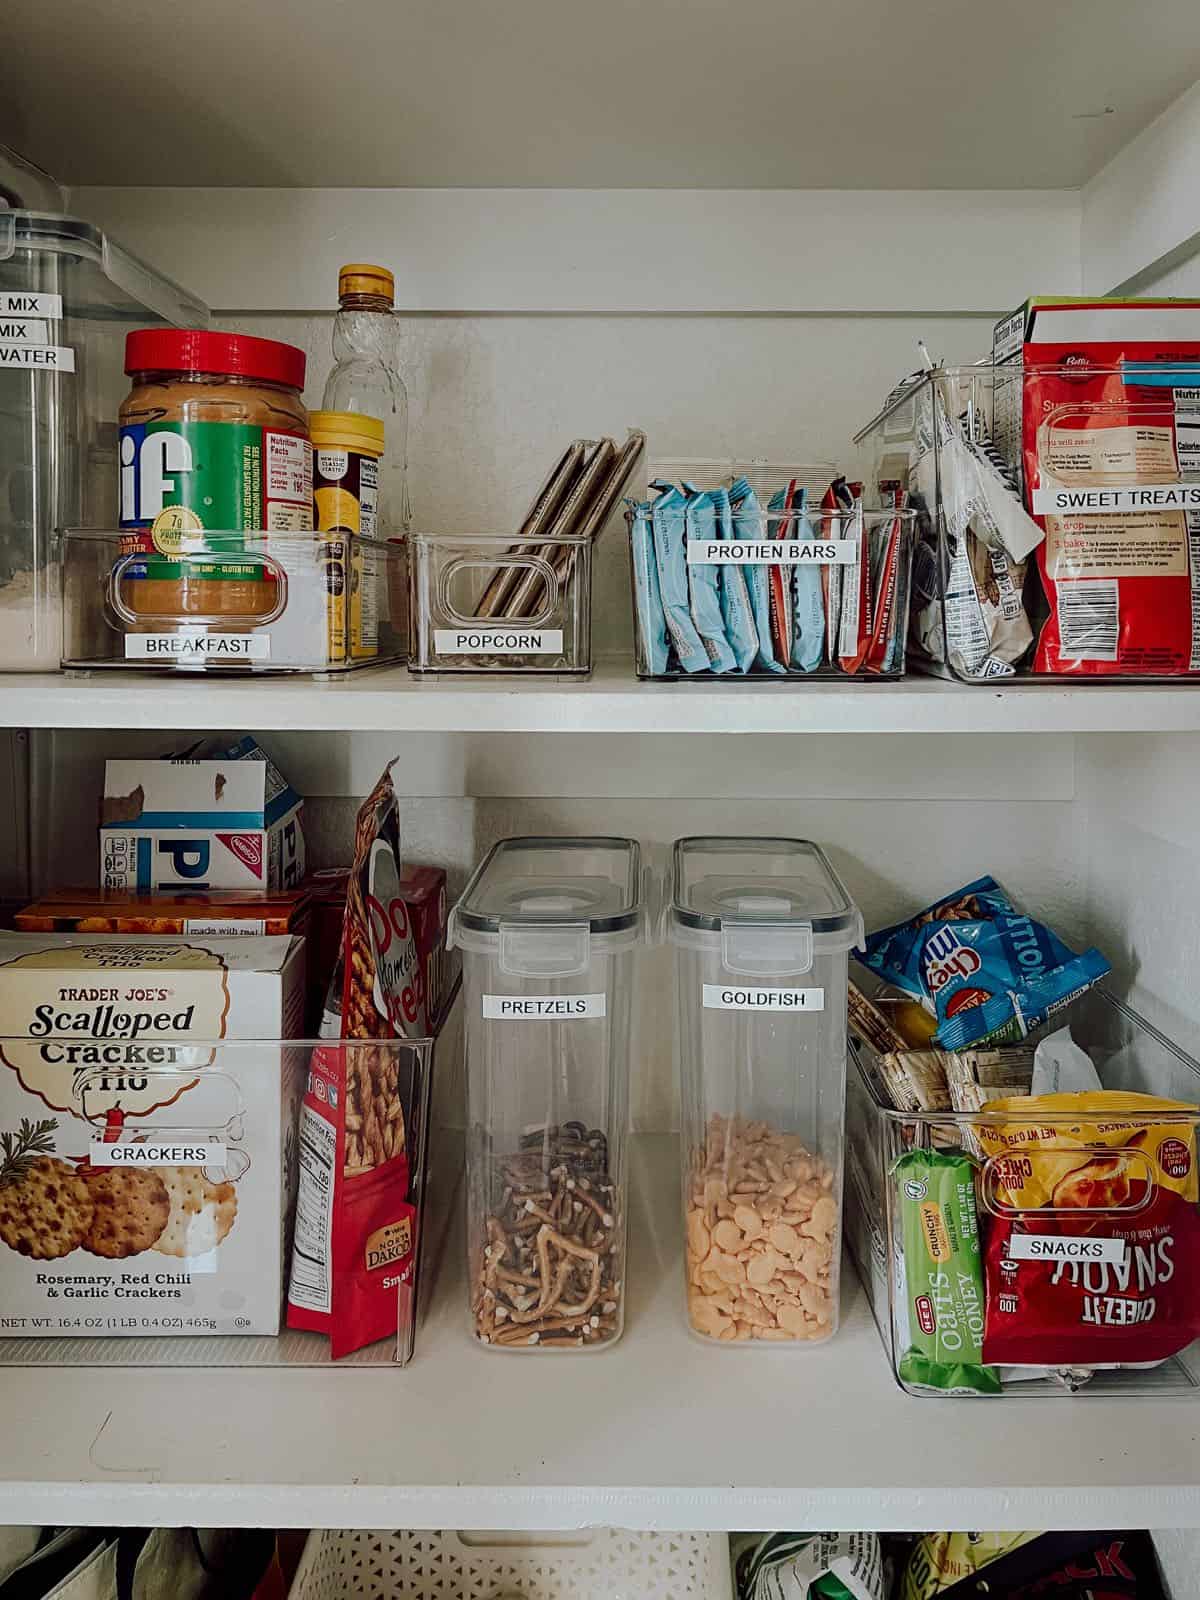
(548,928)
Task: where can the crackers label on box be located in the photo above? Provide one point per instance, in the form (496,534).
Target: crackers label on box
(146,1154)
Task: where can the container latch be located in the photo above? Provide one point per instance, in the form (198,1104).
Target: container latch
(766,949)
(553,950)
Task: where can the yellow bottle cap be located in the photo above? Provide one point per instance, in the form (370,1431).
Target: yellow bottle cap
(360,278)
(346,430)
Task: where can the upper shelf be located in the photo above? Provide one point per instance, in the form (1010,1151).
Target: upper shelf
(661,1432)
(611,701)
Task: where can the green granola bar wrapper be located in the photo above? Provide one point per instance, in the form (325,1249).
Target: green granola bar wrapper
(943,1274)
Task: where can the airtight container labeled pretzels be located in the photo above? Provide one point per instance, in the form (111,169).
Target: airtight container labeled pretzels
(761,929)
(548,929)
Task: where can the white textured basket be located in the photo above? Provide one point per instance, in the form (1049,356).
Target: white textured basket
(602,1564)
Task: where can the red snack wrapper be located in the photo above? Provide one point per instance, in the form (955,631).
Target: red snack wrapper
(354,1249)
(1112,476)
(1093,1254)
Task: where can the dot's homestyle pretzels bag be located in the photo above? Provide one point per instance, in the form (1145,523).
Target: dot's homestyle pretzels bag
(1093,1255)
(354,1249)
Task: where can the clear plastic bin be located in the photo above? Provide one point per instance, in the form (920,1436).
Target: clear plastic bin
(1107,442)
(844,616)
(1129,1055)
(68,296)
(481,603)
(199,1244)
(548,929)
(761,929)
(240,602)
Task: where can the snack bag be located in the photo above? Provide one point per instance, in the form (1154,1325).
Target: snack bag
(989,973)
(854,627)
(354,1246)
(1070,1566)
(736,611)
(1113,476)
(647,595)
(942,1289)
(1093,1254)
(748,528)
(779,583)
(941,1560)
(703,584)
(809,1566)
(668,518)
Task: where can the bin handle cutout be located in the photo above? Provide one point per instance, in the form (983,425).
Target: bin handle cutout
(549,589)
(1099,1170)
(201,619)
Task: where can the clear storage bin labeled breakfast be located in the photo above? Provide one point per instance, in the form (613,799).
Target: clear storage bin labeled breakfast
(548,928)
(68,295)
(484,604)
(761,930)
(1028,1225)
(1056,499)
(739,582)
(250,601)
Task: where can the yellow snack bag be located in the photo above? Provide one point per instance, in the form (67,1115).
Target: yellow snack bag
(940,1560)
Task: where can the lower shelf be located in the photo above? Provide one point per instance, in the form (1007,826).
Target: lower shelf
(661,1432)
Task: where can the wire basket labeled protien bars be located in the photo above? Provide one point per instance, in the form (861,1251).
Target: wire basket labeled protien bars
(602,1564)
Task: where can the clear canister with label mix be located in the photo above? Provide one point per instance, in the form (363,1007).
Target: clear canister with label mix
(762,929)
(548,929)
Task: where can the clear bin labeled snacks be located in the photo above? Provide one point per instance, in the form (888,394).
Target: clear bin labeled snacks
(548,929)
(1045,1241)
(727,583)
(68,295)
(761,929)
(934,442)
(245,601)
(481,603)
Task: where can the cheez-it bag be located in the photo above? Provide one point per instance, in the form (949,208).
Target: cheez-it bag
(354,1249)
(1111,443)
(1093,1255)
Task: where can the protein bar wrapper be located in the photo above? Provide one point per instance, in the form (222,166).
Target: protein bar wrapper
(355,1239)
(1093,1258)
(943,1274)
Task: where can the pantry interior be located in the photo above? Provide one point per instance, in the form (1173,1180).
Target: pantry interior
(743,291)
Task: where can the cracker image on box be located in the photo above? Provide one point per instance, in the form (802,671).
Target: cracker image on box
(146,1097)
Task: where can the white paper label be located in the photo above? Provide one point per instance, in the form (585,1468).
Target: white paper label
(1066,1247)
(498,641)
(223,928)
(1061,502)
(543,1007)
(50,357)
(24,330)
(157,1153)
(738,997)
(788,552)
(22,303)
(197,646)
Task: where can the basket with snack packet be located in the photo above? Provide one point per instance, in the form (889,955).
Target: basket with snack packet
(1022,1197)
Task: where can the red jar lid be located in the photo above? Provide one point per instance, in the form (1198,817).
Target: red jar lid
(192,350)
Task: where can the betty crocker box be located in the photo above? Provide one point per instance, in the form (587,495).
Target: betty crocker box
(146,1178)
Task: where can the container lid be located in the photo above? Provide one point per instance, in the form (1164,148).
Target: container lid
(771,893)
(358,277)
(548,883)
(346,430)
(193,350)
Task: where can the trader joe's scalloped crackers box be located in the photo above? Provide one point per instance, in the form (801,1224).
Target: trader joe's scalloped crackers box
(146,1177)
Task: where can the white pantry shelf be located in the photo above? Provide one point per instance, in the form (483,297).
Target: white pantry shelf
(611,701)
(659,1433)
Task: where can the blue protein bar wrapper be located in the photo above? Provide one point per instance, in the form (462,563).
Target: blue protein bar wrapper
(703,585)
(668,520)
(808,600)
(989,973)
(748,525)
(740,628)
(652,624)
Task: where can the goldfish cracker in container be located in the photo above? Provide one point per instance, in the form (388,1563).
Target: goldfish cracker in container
(214,437)
(347,449)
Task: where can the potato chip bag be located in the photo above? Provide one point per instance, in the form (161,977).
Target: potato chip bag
(1093,1254)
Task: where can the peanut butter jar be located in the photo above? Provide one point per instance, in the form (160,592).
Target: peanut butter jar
(214,440)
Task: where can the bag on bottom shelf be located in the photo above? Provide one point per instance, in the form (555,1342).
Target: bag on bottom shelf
(354,1248)
(809,1566)
(146,1183)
